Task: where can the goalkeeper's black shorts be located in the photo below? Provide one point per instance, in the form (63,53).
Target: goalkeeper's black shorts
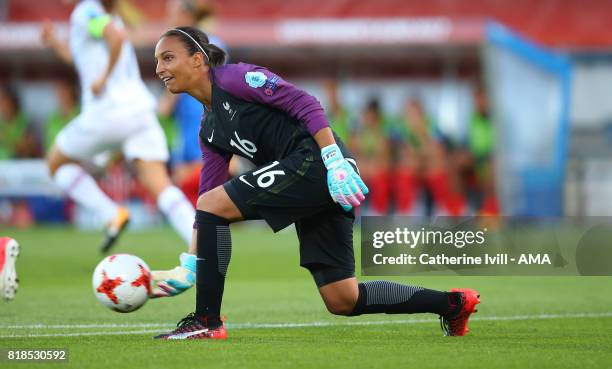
(294,190)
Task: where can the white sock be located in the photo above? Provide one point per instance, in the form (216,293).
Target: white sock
(178,210)
(81,187)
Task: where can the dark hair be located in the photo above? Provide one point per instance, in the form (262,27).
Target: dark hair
(197,9)
(9,92)
(373,105)
(108,5)
(215,56)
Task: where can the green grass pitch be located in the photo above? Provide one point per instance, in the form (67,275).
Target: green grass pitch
(277,320)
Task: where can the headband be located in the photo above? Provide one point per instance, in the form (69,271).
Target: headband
(193,39)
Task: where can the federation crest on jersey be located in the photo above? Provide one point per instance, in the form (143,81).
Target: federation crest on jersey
(255,79)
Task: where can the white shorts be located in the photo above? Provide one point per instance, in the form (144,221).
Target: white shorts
(137,135)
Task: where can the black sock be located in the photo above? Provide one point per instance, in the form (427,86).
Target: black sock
(214,251)
(394,298)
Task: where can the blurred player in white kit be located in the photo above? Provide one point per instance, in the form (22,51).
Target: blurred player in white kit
(118,113)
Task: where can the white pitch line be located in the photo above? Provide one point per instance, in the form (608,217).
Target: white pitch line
(270,325)
(415,321)
(305,324)
(85,326)
(83,334)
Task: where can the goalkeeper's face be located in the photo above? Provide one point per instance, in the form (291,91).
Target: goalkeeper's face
(175,67)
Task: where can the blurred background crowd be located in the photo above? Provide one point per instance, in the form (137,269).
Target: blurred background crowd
(404,83)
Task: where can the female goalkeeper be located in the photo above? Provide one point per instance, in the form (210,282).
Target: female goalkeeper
(304,175)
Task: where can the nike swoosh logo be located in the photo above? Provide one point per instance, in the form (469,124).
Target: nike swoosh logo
(211,136)
(245,181)
(181,336)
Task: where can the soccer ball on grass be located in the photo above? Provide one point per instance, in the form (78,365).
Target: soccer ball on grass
(122,282)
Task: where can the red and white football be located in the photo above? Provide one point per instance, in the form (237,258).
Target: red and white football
(122,282)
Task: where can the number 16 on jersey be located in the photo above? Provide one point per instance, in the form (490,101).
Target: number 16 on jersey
(246,147)
(265,176)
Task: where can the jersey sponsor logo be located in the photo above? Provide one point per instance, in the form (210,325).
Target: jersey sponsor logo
(255,79)
(211,136)
(271,86)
